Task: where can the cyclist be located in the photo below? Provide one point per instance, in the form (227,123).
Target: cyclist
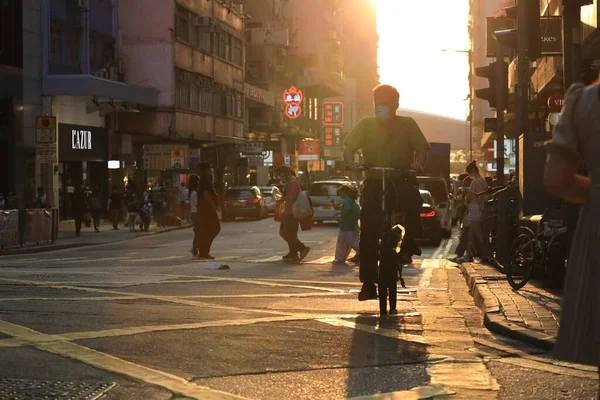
(387,140)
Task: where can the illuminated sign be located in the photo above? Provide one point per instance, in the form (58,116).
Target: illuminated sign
(293,98)
(333,136)
(81,140)
(333,113)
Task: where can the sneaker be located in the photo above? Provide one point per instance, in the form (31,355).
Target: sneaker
(367,292)
(289,257)
(355,259)
(304,252)
(464,259)
(454,259)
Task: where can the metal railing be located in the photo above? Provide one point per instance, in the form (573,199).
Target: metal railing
(34,225)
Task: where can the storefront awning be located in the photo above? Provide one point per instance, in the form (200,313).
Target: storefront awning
(89,85)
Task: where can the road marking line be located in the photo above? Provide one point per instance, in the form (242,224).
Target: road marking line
(41,260)
(65,298)
(113,364)
(88,260)
(154,259)
(447,249)
(322,260)
(439,249)
(417,393)
(391,333)
(426,277)
(264,260)
(274,284)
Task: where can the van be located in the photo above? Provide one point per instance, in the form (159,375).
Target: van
(439,190)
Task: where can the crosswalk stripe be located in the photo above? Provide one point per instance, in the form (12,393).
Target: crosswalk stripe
(265,260)
(155,259)
(322,260)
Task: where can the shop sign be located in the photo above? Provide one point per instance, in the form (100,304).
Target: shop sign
(250,148)
(556,102)
(293,100)
(164,156)
(309,150)
(82,143)
(333,113)
(255,161)
(269,36)
(551,34)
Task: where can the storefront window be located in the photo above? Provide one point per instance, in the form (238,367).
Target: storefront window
(73,45)
(55,32)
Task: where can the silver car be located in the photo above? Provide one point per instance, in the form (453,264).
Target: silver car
(321,193)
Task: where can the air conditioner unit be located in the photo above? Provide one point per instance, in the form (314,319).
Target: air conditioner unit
(203,21)
(184,77)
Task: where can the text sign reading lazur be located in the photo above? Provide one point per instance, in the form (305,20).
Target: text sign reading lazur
(293,99)
(81,140)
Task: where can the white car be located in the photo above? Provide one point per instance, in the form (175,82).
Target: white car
(321,193)
(271,194)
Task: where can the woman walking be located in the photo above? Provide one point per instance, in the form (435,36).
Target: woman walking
(203,202)
(576,139)
(475,213)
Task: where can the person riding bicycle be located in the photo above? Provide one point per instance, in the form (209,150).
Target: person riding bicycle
(387,140)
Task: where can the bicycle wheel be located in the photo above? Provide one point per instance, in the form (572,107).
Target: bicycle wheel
(522,261)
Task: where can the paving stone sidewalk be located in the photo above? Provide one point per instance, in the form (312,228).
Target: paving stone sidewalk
(530,314)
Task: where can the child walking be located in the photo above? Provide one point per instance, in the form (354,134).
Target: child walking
(348,235)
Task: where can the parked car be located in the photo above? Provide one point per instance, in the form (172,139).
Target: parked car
(272,195)
(339,178)
(431,219)
(244,201)
(439,191)
(321,193)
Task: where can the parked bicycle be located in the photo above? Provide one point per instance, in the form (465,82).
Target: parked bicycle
(531,250)
(391,235)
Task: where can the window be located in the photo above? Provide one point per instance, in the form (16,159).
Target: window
(183,94)
(324,189)
(55,33)
(238,52)
(206,100)
(93,51)
(195,95)
(182,24)
(195,38)
(220,103)
(73,45)
(239,105)
(205,41)
(228,46)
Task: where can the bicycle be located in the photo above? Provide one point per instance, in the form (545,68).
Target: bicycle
(390,240)
(530,250)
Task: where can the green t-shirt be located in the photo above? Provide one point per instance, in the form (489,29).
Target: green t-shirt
(394,148)
(349,221)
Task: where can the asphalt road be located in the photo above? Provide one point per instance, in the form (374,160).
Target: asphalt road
(141,320)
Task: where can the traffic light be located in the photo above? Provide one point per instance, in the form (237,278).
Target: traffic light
(490,94)
(527,37)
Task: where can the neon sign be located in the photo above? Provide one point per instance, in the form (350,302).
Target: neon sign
(293,98)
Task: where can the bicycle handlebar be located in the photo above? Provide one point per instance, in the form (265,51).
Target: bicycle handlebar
(493,191)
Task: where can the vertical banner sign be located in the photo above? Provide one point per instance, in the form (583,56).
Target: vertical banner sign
(293,100)
(333,113)
(45,140)
(328,136)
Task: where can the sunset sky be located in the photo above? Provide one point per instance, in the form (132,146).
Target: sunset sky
(412,36)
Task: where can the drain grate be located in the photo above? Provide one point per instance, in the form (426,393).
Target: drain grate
(21,389)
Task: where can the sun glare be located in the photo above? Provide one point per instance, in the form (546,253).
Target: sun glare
(412,38)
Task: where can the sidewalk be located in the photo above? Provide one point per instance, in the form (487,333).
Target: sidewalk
(67,239)
(530,314)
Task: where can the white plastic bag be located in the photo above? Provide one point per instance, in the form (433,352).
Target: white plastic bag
(302,207)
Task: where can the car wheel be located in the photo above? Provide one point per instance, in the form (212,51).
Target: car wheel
(227,218)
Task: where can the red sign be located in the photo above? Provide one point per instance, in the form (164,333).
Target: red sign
(293,98)
(333,113)
(309,150)
(556,102)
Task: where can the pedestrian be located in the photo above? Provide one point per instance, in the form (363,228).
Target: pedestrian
(289,224)
(194,186)
(96,207)
(115,204)
(462,212)
(184,202)
(2,201)
(207,217)
(348,235)
(475,205)
(575,141)
(87,216)
(146,214)
(78,207)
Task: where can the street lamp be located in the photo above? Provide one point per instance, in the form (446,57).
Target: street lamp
(470,54)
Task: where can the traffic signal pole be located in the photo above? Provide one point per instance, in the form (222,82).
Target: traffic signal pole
(500,101)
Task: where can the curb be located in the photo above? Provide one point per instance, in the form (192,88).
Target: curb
(494,319)
(46,248)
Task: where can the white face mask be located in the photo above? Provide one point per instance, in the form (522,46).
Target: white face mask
(382,112)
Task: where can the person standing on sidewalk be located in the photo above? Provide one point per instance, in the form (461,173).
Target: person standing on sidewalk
(184,202)
(115,204)
(475,206)
(289,224)
(576,139)
(194,186)
(348,235)
(78,206)
(209,225)
(96,208)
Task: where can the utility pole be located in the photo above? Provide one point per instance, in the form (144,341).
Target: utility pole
(501,77)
